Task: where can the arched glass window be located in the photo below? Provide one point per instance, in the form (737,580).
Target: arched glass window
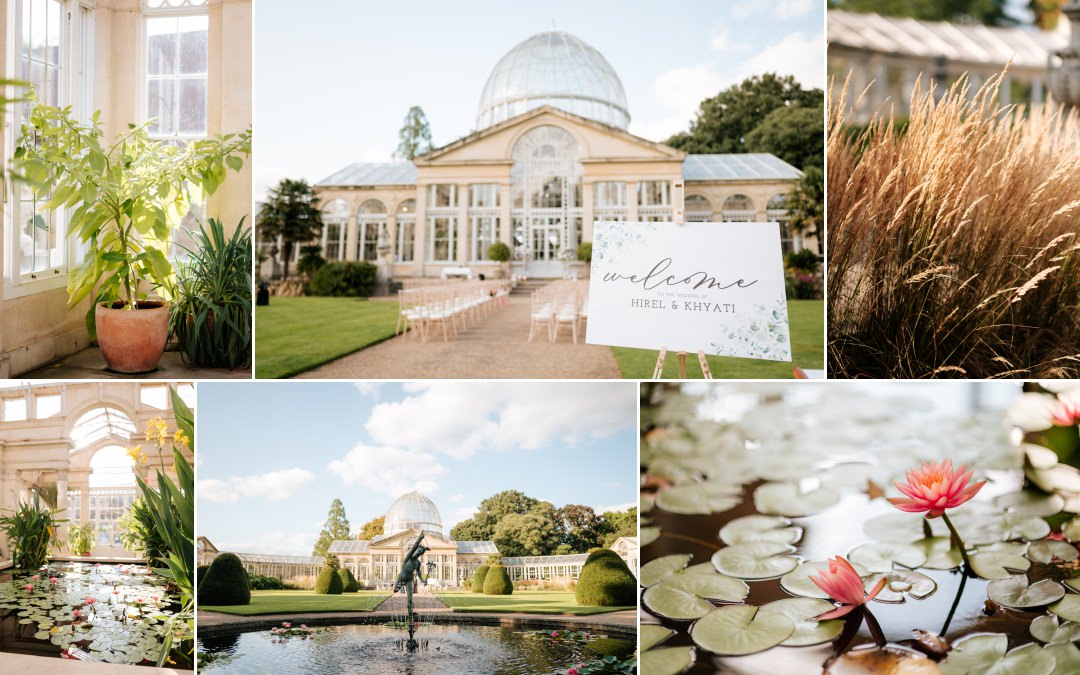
(98,424)
(546,190)
(739,208)
(112,490)
(406,231)
(335,217)
(369,220)
(697,209)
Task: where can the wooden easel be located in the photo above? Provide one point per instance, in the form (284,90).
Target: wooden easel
(678,199)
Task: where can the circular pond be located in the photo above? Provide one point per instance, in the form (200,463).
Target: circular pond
(444,649)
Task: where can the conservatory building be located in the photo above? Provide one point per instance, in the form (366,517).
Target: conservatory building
(550,155)
(376,562)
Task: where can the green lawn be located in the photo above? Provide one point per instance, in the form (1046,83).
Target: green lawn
(807,346)
(287,602)
(297,334)
(530,602)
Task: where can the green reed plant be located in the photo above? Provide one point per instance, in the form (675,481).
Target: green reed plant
(139,534)
(31,531)
(954,244)
(82,538)
(211,310)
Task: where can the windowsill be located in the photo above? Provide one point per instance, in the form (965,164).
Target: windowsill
(24,289)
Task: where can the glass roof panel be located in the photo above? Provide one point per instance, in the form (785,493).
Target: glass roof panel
(101,423)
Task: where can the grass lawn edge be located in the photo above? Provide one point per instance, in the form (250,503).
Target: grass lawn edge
(300,371)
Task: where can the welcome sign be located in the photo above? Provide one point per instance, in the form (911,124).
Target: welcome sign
(717,287)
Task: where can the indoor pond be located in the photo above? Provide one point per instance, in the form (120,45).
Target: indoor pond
(444,649)
(749,490)
(116,613)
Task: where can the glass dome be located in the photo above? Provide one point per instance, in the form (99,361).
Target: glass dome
(412,511)
(555,69)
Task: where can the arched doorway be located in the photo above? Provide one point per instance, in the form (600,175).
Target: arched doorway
(100,439)
(546,189)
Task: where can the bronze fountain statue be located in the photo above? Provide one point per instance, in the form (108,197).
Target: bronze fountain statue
(411,570)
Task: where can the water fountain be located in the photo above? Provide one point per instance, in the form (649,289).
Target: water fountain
(406,581)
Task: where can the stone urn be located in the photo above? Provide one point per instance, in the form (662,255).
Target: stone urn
(1064,71)
(132,341)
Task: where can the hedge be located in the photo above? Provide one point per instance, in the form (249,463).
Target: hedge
(478,578)
(200,572)
(497,581)
(348,581)
(344,280)
(225,583)
(605,581)
(328,583)
(259,582)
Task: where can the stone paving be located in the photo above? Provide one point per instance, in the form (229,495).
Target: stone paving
(497,347)
(88,364)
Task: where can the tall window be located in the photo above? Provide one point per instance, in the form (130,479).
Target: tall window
(176,75)
(406,230)
(739,208)
(698,209)
(370,219)
(335,221)
(442,223)
(654,200)
(483,218)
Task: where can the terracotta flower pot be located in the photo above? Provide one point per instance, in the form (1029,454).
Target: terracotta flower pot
(132,341)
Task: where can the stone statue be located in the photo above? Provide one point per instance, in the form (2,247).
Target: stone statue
(411,570)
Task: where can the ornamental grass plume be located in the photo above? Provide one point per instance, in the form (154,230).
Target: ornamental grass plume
(954,243)
(844,585)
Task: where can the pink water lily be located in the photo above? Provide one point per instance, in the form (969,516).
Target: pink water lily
(934,487)
(53,580)
(36,577)
(90,601)
(844,585)
(29,587)
(75,613)
(1066,412)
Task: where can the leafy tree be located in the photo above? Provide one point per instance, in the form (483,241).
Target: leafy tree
(723,122)
(795,134)
(481,527)
(525,534)
(336,527)
(290,212)
(371,529)
(415,135)
(580,528)
(1047,12)
(619,524)
(806,203)
(311,260)
(990,12)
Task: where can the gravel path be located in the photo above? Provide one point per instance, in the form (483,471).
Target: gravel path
(496,347)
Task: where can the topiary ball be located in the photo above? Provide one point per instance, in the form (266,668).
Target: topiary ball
(606,581)
(348,581)
(328,582)
(200,572)
(478,578)
(497,581)
(225,583)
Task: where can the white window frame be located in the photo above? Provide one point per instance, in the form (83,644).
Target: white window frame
(186,8)
(76,90)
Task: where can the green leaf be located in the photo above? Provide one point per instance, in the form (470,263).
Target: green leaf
(667,660)
(803,612)
(998,564)
(882,556)
(235,163)
(986,655)
(789,499)
(737,630)
(652,635)
(655,570)
(760,560)
(1015,592)
(1067,608)
(748,529)
(699,498)
(686,596)
(1049,629)
(900,583)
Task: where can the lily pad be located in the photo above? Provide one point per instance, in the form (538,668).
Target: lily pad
(760,560)
(652,635)
(788,499)
(699,498)
(649,534)
(797,581)
(1051,630)
(1071,529)
(737,630)
(1067,608)
(940,553)
(667,660)
(655,570)
(901,527)
(686,596)
(1048,549)
(882,556)
(1015,592)
(1030,504)
(1066,658)
(803,613)
(998,564)
(750,529)
(979,654)
(901,583)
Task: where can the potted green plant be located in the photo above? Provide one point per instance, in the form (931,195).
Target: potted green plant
(500,253)
(31,530)
(123,201)
(82,539)
(584,255)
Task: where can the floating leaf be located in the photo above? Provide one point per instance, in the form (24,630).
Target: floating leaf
(900,583)
(667,660)
(655,570)
(1066,658)
(787,499)
(1067,608)
(1049,629)
(652,635)
(649,534)
(736,630)
(901,527)
(686,596)
(978,654)
(883,555)
(797,581)
(750,529)
(1015,592)
(940,553)
(998,564)
(699,498)
(1071,529)
(760,560)
(1030,504)
(803,613)
(1048,549)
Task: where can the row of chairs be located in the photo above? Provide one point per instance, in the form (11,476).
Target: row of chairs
(560,304)
(448,308)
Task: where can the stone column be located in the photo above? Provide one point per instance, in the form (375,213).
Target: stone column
(391,228)
(62,500)
(84,504)
(464,245)
(631,200)
(506,218)
(420,231)
(587,211)
(352,237)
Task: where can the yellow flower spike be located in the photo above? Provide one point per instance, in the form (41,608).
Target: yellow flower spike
(134,452)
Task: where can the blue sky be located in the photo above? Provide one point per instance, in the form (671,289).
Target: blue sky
(273,455)
(334,78)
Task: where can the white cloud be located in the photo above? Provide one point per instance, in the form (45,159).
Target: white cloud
(368,388)
(273,486)
(274,543)
(389,470)
(460,419)
(722,42)
(796,54)
(684,87)
(460,514)
(615,507)
(454,499)
(792,9)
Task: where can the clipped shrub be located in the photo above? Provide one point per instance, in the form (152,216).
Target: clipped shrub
(605,581)
(478,579)
(311,259)
(348,581)
(804,259)
(328,582)
(497,581)
(259,582)
(200,572)
(225,583)
(499,252)
(584,252)
(344,280)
